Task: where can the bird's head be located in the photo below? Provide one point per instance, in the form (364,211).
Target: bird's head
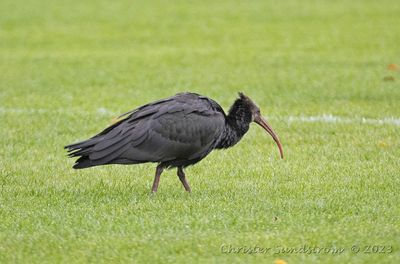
(256,117)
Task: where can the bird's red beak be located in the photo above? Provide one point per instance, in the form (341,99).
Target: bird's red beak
(264,124)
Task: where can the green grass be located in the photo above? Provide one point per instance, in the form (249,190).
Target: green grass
(62,63)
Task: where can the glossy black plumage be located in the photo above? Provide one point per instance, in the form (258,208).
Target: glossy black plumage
(173,132)
(176,131)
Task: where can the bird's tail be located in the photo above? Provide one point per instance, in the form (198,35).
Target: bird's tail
(82,150)
(83,162)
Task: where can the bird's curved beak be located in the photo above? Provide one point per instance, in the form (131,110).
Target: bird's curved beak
(264,124)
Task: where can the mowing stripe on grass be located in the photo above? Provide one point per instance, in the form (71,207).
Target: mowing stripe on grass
(325,118)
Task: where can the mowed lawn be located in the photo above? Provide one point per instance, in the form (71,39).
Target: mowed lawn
(67,68)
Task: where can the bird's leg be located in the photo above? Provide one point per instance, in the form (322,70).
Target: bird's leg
(159,170)
(182,177)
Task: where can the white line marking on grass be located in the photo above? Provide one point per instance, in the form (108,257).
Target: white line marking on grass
(340,120)
(22,111)
(29,111)
(325,118)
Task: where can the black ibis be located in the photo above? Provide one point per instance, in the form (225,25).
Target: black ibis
(174,132)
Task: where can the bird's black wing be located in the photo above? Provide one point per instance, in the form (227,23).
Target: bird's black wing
(184,127)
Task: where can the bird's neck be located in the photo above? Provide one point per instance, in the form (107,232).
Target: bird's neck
(237,124)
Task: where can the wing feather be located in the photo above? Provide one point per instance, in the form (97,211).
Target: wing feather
(185,126)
